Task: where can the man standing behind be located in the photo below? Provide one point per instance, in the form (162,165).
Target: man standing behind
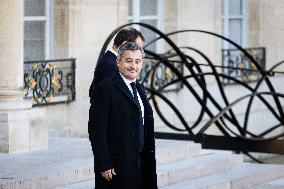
(122,129)
(107,66)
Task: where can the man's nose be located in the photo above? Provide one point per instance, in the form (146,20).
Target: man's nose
(132,65)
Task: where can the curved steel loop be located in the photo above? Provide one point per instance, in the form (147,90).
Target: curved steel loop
(153,93)
(172,106)
(220,86)
(207,94)
(174,70)
(260,69)
(204,98)
(212,121)
(238,82)
(280,119)
(203,86)
(263,73)
(243,130)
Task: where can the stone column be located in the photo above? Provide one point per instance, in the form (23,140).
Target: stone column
(15,112)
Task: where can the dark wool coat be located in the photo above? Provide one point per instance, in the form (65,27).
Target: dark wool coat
(106,68)
(113,132)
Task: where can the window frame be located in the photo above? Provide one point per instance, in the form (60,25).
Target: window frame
(48,34)
(226,17)
(137,17)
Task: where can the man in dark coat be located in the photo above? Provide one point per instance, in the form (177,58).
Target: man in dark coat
(107,66)
(122,127)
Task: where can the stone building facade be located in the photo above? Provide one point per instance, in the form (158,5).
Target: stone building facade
(59,29)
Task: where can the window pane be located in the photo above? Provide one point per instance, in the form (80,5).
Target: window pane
(130,7)
(149,35)
(34,7)
(34,40)
(235,30)
(235,7)
(148,7)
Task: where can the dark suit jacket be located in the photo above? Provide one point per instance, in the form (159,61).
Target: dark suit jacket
(106,67)
(113,132)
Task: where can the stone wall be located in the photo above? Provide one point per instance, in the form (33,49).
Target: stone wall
(266,28)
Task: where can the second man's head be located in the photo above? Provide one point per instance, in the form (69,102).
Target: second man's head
(128,34)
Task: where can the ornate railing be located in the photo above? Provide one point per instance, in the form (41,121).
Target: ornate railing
(154,70)
(239,66)
(50,81)
(234,132)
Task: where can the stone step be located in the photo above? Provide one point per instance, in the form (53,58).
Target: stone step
(182,169)
(70,160)
(169,150)
(49,176)
(274,184)
(251,174)
(67,160)
(204,184)
(89,184)
(244,176)
(195,167)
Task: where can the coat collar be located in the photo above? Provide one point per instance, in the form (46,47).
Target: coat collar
(111,54)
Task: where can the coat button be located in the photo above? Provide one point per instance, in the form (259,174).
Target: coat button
(133,134)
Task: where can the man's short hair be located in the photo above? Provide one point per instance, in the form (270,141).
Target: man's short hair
(127,34)
(131,46)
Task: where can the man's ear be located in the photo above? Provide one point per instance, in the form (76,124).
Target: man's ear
(117,61)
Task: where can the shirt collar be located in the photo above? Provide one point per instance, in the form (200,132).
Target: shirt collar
(127,81)
(113,51)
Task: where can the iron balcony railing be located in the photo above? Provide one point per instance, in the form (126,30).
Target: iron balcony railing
(50,81)
(154,70)
(237,65)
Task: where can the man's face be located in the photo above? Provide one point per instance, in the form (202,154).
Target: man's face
(139,42)
(131,64)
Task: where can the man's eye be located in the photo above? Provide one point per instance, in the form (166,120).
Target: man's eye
(129,62)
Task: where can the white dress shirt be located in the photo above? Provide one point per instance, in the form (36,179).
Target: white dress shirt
(127,82)
(113,51)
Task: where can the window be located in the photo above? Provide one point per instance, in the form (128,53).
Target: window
(149,12)
(37,29)
(234,19)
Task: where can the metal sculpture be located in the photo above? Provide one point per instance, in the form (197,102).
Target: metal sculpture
(235,135)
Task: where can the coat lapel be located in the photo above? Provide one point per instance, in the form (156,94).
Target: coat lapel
(122,86)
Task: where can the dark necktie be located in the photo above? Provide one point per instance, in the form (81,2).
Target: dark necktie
(140,124)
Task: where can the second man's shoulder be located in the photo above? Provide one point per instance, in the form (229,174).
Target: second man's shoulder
(108,57)
(106,83)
